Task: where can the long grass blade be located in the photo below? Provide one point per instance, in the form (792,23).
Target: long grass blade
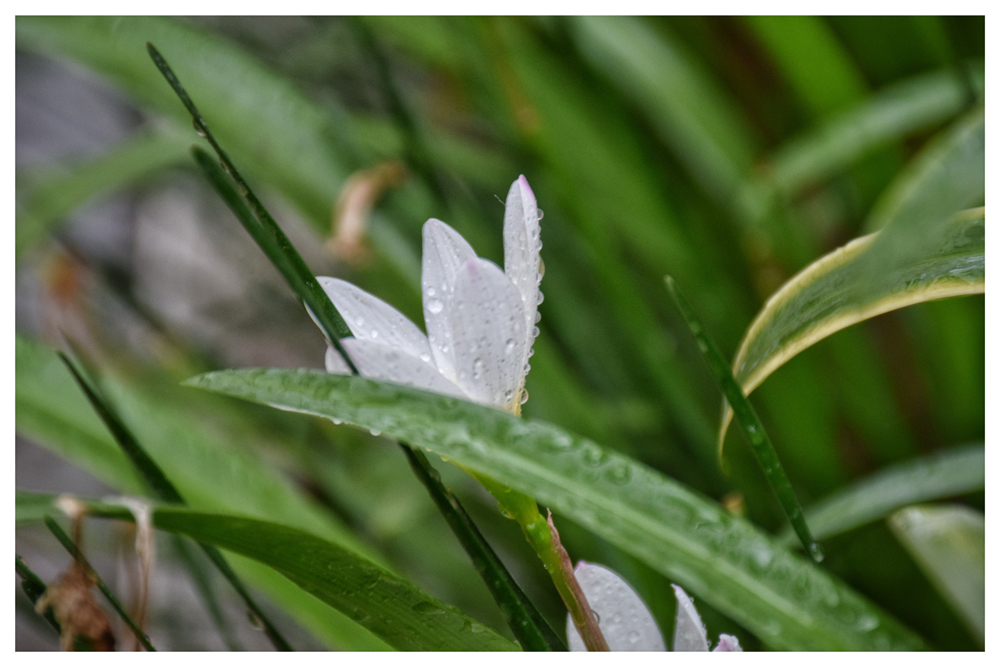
(34,588)
(950,473)
(760,443)
(74,550)
(166,491)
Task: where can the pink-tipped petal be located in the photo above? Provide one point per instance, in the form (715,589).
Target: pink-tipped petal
(377,362)
(522,246)
(487,319)
(371,318)
(445,251)
(625,621)
(689,632)
(728,643)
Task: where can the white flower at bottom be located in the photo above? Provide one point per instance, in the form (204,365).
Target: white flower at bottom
(626,622)
(480,318)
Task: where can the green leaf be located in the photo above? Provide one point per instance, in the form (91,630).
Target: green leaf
(949,544)
(747,417)
(949,473)
(947,176)
(211,471)
(721,558)
(887,116)
(31,507)
(869,276)
(51,198)
(390,607)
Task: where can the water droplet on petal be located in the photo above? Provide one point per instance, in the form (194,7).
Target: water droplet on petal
(477,368)
(435,306)
(431,291)
(535,332)
(531,352)
(508,346)
(360,321)
(524,396)
(541,215)
(538,317)
(425,357)
(541,297)
(374,333)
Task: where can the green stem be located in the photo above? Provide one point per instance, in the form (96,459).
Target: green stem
(544,539)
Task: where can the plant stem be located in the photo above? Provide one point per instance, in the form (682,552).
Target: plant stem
(544,539)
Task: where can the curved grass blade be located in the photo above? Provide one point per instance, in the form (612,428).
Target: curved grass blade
(949,473)
(752,426)
(206,591)
(528,626)
(949,175)
(388,606)
(74,551)
(869,276)
(788,602)
(34,588)
(887,116)
(259,223)
(948,542)
(166,491)
(49,201)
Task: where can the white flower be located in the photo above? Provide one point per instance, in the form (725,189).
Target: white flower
(480,319)
(627,624)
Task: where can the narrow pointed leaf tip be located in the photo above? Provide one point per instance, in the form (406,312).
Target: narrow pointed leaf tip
(480,319)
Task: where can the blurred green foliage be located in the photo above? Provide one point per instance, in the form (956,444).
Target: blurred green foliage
(726,152)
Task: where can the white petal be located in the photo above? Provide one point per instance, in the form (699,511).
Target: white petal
(388,364)
(521,247)
(689,632)
(625,621)
(335,363)
(728,643)
(445,251)
(370,318)
(487,319)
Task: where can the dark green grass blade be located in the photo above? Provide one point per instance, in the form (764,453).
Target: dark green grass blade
(273,242)
(387,605)
(259,222)
(34,587)
(752,426)
(166,491)
(531,630)
(74,550)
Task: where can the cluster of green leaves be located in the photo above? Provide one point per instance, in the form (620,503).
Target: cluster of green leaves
(728,153)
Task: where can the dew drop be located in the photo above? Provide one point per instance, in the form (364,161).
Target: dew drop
(541,215)
(360,321)
(199,128)
(374,333)
(338,421)
(508,346)
(477,368)
(534,332)
(538,317)
(375,433)
(431,291)
(541,297)
(444,348)
(425,357)
(619,474)
(524,396)
(435,306)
